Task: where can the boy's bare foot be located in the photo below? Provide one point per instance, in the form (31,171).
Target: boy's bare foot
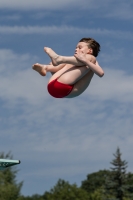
(56,59)
(40,68)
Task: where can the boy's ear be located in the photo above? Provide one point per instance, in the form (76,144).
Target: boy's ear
(90,51)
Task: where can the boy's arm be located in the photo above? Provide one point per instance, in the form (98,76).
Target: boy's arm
(94,67)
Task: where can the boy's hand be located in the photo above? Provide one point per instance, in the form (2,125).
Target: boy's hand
(81,56)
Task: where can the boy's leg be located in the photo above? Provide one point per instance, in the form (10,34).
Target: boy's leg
(57,59)
(72,74)
(43,69)
(79,76)
(81,85)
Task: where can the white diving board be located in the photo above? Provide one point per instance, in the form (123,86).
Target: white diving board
(4,163)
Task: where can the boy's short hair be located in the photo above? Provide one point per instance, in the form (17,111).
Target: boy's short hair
(93,44)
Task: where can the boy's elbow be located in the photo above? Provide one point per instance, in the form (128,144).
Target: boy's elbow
(101,74)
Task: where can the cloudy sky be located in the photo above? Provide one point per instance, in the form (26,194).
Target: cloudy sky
(64,138)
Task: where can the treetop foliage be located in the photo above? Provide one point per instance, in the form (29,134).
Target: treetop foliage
(113,184)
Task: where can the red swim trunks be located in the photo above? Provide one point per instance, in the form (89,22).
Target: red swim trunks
(59,90)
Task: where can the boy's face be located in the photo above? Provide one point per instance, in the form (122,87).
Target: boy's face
(82,47)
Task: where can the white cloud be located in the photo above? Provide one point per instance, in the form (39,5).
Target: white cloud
(122,11)
(111,53)
(7,56)
(22,30)
(40,4)
(104,8)
(116,85)
(13,17)
(40,15)
(18,81)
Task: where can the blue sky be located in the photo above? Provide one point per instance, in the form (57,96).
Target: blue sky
(64,138)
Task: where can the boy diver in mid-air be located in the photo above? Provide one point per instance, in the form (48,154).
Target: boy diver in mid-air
(71,75)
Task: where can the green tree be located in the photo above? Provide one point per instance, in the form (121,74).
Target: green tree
(95,181)
(64,191)
(117,184)
(33,197)
(96,195)
(9,188)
